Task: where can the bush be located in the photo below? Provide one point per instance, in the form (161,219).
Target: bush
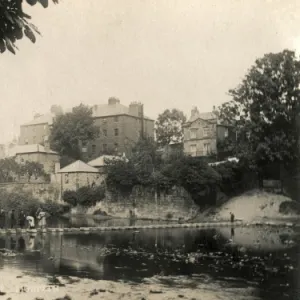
(100,212)
(84,196)
(289,207)
(20,200)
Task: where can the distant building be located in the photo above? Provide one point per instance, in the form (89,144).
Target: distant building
(36,153)
(202,133)
(120,129)
(36,131)
(76,175)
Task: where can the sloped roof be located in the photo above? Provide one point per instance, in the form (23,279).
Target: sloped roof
(43,119)
(100,161)
(78,167)
(32,148)
(204,116)
(105,110)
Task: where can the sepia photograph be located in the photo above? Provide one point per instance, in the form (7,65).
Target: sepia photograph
(150,149)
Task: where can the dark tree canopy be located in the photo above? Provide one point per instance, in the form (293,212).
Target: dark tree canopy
(265,109)
(15,23)
(71,129)
(168,127)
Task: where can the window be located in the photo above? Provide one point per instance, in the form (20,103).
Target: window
(93,149)
(116,146)
(104,147)
(26,141)
(193,133)
(116,132)
(116,119)
(66,178)
(34,139)
(46,138)
(193,150)
(205,131)
(104,121)
(206,149)
(105,132)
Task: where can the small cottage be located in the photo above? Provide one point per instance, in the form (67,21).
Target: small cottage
(78,174)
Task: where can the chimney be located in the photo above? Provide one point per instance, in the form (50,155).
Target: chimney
(113,101)
(194,112)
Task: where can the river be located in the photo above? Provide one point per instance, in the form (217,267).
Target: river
(264,259)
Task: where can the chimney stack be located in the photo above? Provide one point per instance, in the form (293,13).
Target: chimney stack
(113,101)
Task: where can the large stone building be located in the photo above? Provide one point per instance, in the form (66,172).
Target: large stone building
(120,128)
(36,153)
(202,132)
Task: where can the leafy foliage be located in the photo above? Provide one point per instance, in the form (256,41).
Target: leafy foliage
(32,168)
(70,129)
(20,200)
(84,196)
(168,127)
(265,109)
(14,23)
(8,169)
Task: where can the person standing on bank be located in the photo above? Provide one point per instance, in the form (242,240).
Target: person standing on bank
(22,219)
(231,217)
(41,219)
(2,219)
(12,219)
(31,223)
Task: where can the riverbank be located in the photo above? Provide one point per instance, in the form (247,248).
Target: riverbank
(257,205)
(21,286)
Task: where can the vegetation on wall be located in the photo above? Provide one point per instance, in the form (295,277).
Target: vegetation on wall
(85,196)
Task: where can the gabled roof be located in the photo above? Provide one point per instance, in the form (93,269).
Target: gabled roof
(207,116)
(78,167)
(25,149)
(43,119)
(100,161)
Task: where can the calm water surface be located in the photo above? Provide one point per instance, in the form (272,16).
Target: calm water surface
(264,258)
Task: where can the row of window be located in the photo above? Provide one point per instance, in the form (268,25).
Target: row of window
(105,148)
(116,132)
(206,149)
(205,130)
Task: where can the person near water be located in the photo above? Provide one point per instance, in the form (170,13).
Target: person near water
(2,219)
(42,219)
(12,218)
(231,217)
(22,219)
(31,223)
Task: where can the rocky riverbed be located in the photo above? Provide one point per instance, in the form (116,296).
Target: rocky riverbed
(22,286)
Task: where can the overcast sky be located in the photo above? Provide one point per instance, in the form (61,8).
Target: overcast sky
(164,53)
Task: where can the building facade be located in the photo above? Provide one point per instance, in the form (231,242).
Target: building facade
(36,153)
(120,128)
(37,131)
(202,133)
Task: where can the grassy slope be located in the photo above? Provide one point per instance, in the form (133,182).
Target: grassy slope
(252,206)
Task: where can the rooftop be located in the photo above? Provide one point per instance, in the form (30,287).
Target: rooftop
(100,161)
(78,167)
(43,119)
(33,148)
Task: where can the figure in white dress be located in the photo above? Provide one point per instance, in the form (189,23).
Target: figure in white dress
(31,223)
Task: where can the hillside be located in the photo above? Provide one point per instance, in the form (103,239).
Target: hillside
(255,205)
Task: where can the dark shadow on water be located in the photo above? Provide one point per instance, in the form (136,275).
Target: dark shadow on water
(246,258)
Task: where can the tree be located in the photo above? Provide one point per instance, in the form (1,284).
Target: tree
(265,108)
(168,127)
(8,169)
(32,168)
(56,110)
(71,129)
(14,23)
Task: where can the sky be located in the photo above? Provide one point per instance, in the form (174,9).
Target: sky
(163,53)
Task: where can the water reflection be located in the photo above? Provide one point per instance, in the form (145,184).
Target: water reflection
(227,254)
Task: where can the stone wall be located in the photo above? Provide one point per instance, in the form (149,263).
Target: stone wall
(41,191)
(174,206)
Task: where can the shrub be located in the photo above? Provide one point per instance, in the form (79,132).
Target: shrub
(289,207)
(20,200)
(84,196)
(100,212)
(169,215)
